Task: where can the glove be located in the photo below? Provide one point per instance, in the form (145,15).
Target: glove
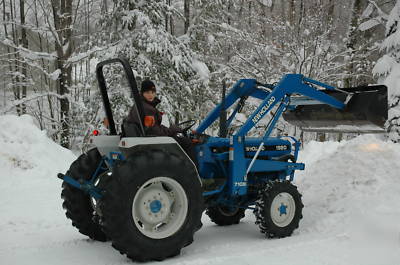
(175,129)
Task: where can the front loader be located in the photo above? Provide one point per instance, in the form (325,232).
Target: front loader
(146,195)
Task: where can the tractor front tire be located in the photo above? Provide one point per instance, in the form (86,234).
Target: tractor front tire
(223,215)
(278,209)
(152,205)
(78,204)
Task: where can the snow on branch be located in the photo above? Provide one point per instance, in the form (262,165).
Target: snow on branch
(28,54)
(80,56)
(380,19)
(15,103)
(370,23)
(267,3)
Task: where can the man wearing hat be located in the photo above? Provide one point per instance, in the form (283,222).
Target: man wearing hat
(153,117)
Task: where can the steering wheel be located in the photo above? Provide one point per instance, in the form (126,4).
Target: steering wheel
(190,123)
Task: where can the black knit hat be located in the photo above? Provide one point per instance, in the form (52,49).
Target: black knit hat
(148,85)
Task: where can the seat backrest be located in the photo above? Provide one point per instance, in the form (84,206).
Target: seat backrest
(130,130)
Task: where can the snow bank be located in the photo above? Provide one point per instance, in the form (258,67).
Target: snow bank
(352,190)
(30,203)
(25,150)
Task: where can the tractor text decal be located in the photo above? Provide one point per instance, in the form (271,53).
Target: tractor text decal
(276,147)
(263,110)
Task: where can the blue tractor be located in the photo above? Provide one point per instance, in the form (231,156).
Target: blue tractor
(147,196)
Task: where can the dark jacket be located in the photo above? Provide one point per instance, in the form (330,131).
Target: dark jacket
(149,109)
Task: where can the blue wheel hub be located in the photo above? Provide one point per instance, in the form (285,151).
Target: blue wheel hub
(155,206)
(282,209)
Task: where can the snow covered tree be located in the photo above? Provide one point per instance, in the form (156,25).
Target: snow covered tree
(388,66)
(139,29)
(45,47)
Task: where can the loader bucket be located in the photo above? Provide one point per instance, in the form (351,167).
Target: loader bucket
(366,111)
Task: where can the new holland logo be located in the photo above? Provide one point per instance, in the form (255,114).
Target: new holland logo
(254,148)
(259,115)
(277,148)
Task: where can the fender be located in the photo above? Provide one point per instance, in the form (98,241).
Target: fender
(130,145)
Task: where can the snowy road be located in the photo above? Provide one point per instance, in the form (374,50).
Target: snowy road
(351,192)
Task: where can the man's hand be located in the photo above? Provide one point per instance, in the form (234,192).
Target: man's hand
(176,129)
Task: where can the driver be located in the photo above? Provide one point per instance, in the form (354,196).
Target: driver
(153,118)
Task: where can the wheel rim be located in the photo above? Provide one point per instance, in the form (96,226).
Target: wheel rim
(283,209)
(227,211)
(160,207)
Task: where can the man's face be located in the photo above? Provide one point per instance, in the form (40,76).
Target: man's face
(149,95)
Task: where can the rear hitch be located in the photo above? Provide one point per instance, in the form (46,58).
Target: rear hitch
(83,185)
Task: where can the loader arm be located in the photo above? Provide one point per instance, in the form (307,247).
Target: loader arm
(289,84)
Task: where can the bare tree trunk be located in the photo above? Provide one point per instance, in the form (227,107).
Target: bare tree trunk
(250,10)
(105,7)
(167,17)
(6,17)
(87,60)
(291,12)
(186,13)
(283,8)
(263,16)
(302,12)
(16,88)
(171,25)
(45,82)
(330,16)
(352,41)
(227,51)
(24,42)
(62,14)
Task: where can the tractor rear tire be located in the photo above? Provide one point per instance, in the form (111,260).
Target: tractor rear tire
(152,205)
(223,216)
(278,209)
(78,204)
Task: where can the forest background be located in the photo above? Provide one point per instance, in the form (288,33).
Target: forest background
(49,50)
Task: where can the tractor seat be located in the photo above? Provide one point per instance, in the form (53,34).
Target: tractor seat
(130,130)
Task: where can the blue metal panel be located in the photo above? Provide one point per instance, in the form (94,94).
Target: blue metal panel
(318,83)
(237,165)
(275,119)
(293,83)
(268,103)
(272,165)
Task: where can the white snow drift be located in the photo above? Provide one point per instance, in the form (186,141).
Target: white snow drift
(351,192)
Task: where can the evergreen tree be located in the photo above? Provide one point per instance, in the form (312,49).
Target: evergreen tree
(388,67)
(140,30)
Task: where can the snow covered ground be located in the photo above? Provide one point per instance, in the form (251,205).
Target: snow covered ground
(351,192)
